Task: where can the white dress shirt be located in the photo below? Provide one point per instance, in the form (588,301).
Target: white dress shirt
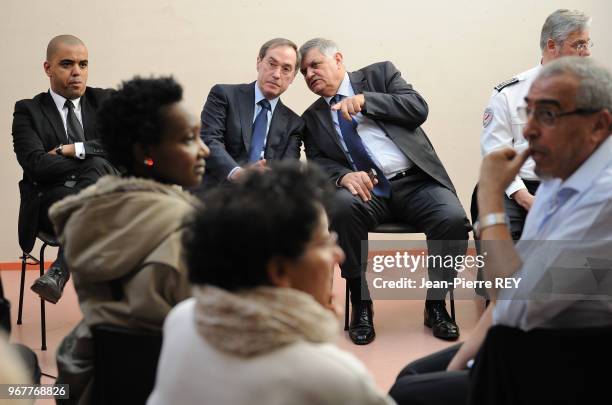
(567,234)
(79,148)
(387,156)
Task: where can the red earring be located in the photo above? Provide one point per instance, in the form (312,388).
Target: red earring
(148,162)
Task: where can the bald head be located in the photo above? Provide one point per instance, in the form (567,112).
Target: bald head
(59,40)
(67,66)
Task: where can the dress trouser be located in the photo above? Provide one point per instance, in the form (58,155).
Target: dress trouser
(93,168)
(426,381)
(416,199)
(517,214)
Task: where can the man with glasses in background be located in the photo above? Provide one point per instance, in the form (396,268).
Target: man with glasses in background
(564,33)
(246,125)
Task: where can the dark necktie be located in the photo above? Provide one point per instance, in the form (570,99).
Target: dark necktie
(356,149)
(73,126)
(260,127)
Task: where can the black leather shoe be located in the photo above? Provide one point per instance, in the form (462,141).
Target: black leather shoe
(361,329)
(51,285)
(440,322)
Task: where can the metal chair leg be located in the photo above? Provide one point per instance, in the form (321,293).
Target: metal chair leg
(43,325)
(451,296)
(21,287)
(346,307)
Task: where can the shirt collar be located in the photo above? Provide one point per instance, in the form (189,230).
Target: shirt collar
(345,89)
(61,100)
(259,96)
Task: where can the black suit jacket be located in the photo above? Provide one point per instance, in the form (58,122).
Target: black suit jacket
(38,128)
(227,126)
(397,109)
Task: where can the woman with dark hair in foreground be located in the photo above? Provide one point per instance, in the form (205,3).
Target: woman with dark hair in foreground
(122,236)
(260,327)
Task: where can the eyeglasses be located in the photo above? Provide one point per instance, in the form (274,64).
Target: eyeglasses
(547,117)
(582,46)
(285,70)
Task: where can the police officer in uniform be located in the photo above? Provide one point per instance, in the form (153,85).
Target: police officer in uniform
(565,32)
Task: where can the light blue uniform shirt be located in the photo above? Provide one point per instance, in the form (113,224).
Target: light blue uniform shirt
(578,211)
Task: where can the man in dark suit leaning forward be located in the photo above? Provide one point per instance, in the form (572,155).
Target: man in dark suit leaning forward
(246,125)
(56,142)
(365,132)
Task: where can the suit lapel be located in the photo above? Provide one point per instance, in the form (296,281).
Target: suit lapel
(358,82)
(87,117)
(277,129)
(323,113)
(50,110)
(247,106)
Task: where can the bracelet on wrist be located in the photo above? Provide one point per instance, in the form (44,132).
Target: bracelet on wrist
(489,220)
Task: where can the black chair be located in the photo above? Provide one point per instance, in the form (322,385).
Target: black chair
(27,356)
(542,366)
(481,291)
(125,363)
(47,240)
(391,227)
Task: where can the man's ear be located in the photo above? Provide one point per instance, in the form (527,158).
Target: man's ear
(278,272)
(338,58)
(551,47)
(603,124)
(47,67)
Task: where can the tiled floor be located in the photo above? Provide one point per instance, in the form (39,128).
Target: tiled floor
(401,335)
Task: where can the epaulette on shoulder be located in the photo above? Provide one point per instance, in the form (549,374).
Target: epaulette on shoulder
(507,83)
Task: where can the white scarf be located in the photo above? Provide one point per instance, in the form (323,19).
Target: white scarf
(258,320)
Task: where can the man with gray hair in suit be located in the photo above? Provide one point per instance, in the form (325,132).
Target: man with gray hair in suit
(365,132)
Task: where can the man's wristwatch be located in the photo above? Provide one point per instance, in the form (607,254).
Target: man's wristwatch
(58,150)
(489,220)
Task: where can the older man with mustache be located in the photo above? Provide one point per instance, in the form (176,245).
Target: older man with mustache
(365,131)
(568,115)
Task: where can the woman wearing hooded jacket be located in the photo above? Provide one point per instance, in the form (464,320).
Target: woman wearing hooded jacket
(122,236)
(261,326)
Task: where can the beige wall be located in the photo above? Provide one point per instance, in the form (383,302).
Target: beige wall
(453,52)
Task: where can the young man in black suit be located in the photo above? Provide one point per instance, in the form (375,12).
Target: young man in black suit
(56,143)
(365,132)
(246,125)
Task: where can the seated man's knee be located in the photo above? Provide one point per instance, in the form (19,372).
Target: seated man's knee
(93,168)
(99,165)
(346,209)
(453,224)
